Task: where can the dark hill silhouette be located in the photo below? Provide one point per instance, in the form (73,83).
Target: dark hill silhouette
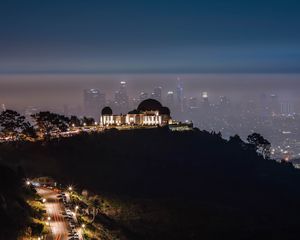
(200,186)
(15,213)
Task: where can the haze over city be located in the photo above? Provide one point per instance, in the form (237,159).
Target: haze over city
(56,90)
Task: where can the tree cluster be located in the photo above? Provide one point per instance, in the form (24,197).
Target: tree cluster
(14,126)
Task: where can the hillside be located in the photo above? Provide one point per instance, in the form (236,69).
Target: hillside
(20,212)
(173,185)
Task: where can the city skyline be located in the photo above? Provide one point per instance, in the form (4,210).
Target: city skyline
(57,90)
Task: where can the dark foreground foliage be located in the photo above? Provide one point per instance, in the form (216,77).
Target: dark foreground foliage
(189,185)
(15,214)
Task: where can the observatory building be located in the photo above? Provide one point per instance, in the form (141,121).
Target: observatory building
(150,112)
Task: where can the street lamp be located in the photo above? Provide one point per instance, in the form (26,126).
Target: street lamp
(48,221)
(70,188)
(44,200)
(27,182)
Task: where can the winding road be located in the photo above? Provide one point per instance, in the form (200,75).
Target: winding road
(58,224)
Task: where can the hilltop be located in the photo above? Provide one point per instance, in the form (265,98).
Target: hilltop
(173,185)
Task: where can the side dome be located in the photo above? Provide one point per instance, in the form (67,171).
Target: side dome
(149,105)
(165,111)
(106,111)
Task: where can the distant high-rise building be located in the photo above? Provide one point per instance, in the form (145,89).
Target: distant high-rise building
(193,102)
(286,108)
(143,96)
(179,95)
(224,101)
(94,101)
(170,99)
(3,107)
(184,104)
(224,105)
(205,101)
(121,97)
(135,102)
(274,104)
(156,94)
(205,96)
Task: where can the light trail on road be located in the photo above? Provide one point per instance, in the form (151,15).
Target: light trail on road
(58,225)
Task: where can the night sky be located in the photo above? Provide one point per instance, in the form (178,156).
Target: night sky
(72,36)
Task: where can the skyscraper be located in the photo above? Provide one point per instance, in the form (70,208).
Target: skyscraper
(286,108)
(156,94)
(143,96)
(205,101)
(170,99)
(193,102)
(94,101)
(121,98)
(205,97)
(179,95)
(274,104)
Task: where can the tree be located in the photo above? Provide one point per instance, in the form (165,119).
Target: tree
(12,123)
(88,121)
(28,130)
(236,140)
(75,121)
(49,123)
(260,144)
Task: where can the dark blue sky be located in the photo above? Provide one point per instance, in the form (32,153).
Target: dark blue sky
(150,36)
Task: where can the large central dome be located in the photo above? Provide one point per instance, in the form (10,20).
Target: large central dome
(106,111)
(149,105)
